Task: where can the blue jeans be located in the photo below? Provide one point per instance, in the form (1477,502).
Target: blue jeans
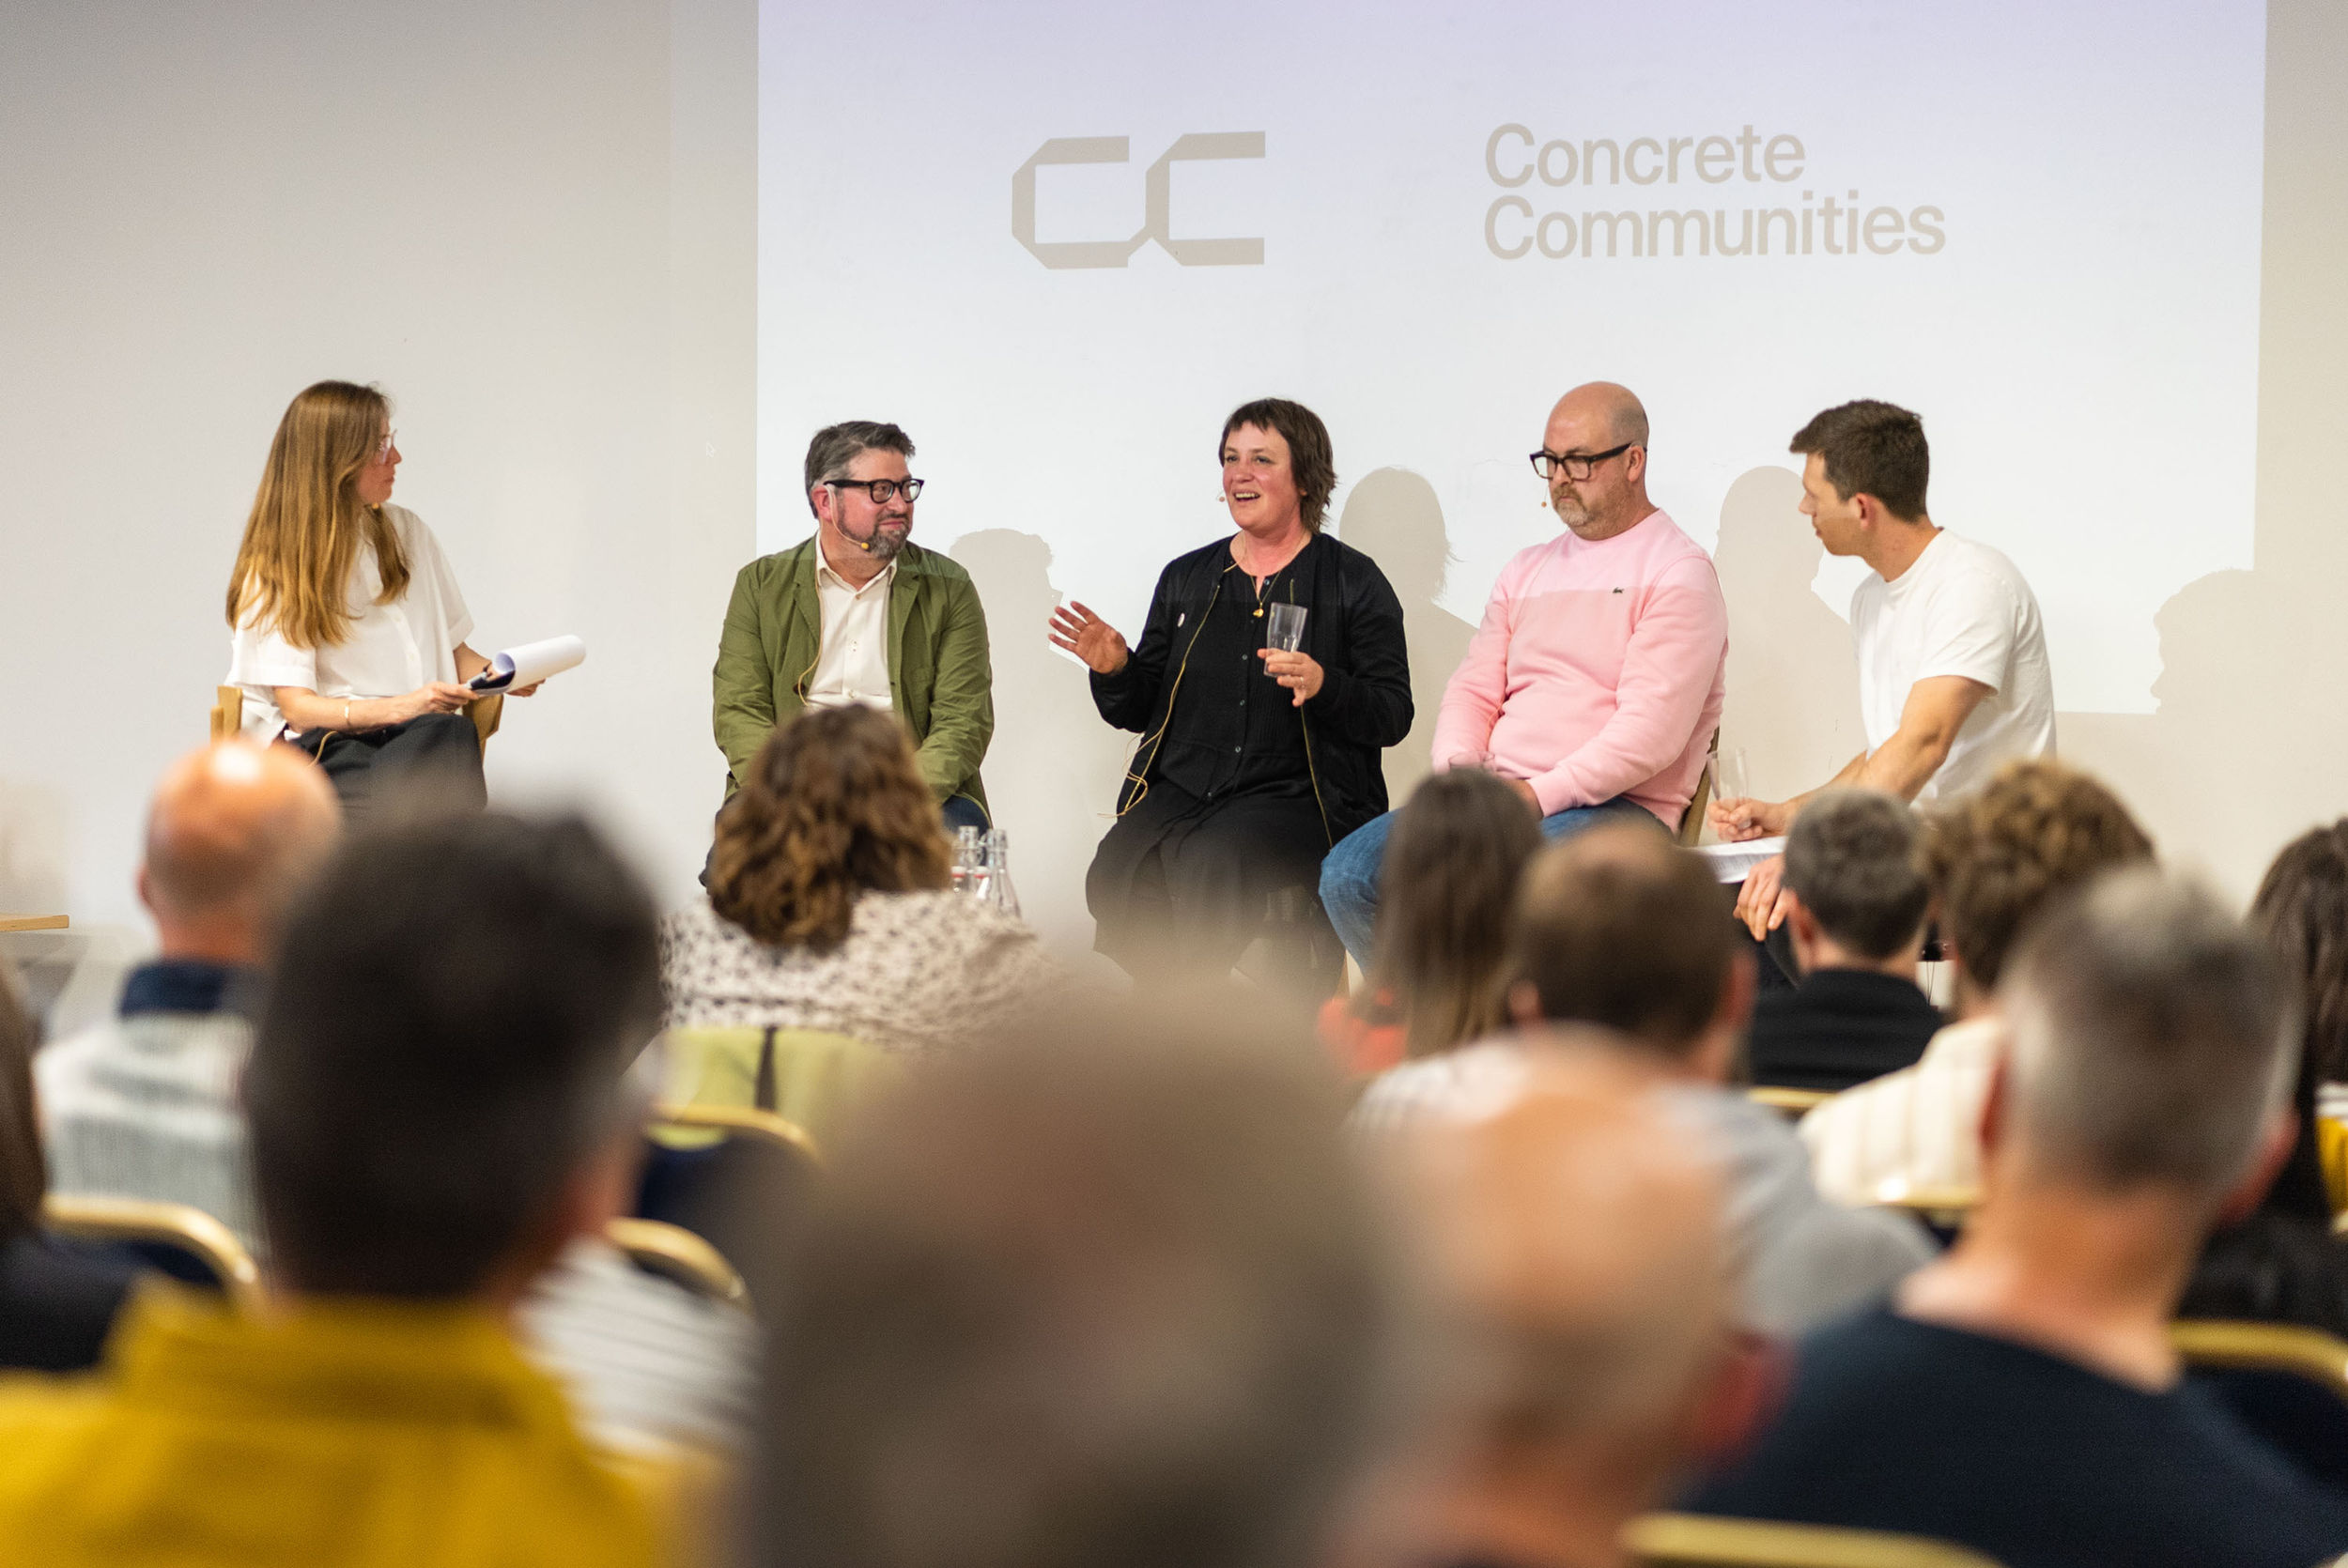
(1348,876)
(962,811)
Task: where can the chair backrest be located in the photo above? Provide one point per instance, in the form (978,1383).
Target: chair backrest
(180,1232)
(676,1253)
(487,712)
(808,1077)
(1793,1102)
(2287,1384)
(742,1121)
(2331,1152)
(1691,819)
(1699,1541)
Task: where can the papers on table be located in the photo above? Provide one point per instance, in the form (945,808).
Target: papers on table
(530,663)
(1731,862)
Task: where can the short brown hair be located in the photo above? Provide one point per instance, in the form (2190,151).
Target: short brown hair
(1617,926)
(1311,460)
(1449,881)
(1872,449)
(23,1172)
(836,446)
(2302,906)
(834,806)
(1997,857)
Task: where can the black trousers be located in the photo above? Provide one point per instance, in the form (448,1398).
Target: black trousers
(436,757)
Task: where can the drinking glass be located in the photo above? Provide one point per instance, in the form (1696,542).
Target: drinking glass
(1286,627)
(1731,779)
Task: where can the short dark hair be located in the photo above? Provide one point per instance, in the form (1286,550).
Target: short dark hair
(1112,1289)
(23,1171)
(1997,857)
(1617,926)
(836,446)
(1446,892)
(1311,459)
(2152,1034)
(1872,449)
(1851,859)
(455,1004)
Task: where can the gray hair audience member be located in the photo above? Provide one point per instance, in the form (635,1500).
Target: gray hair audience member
(1856,901)
(436,1104)
(1579,1267)
(2020,1396)
(1617,926)
(141,1105)
(1108,1292)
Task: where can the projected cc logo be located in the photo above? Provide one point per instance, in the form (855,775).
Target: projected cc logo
(1199,147)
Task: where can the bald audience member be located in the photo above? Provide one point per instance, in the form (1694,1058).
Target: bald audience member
(1108,1294)
(1593,683)
(1575,1237)
(1618,927)
(2020,1396)
(141,1105)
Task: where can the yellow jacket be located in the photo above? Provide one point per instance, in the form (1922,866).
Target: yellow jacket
(351,1434)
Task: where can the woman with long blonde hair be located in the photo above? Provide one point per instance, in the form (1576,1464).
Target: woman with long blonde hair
(347,628)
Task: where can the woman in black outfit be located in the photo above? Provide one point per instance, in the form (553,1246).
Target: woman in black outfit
(56,1304)
(1253,762)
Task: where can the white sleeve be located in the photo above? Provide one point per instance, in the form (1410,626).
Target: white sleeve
(431,558)
(1970,628)
(264,658)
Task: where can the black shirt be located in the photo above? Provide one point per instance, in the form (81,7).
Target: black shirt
(1839,1027)
(57,1304)
(1233,728)
(1894,1425)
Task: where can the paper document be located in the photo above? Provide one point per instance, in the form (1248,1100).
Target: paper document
(530,663)
(1731,862)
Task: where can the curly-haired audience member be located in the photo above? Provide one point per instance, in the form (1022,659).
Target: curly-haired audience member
(830,904)
(1452,867)
(1995,861)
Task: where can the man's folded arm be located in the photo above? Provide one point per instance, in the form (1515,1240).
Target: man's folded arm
(1472,698)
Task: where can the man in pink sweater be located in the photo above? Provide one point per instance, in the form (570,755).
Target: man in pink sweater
(1593,683)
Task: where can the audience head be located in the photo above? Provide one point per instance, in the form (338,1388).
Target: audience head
(835,807)
(1107,1292)
(843,461)
(233,832)
(329,470)
(1859,895)
(1457,850)
(2151,1045)
(1595,418)
(1276,459)
(1576,1235)
(24,1170)
(1618,927)
(2302,908)
(1866,469)
(436,1092)
(1999,857)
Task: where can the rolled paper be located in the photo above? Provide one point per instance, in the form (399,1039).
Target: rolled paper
(530,663)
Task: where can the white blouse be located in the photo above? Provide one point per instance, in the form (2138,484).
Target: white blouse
(918,971)
(390,649)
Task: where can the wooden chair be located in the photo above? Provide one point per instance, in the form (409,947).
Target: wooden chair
(807,1078)
(1699,1541)
(1793,1102)
(487,712)
(676,1253)
(743,1121)
(1691,819)
(2309,1354)
(170,1228)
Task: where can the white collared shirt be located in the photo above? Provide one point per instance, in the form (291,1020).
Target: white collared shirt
(854,664)
(390,649)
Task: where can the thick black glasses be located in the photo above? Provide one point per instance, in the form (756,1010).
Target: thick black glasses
(883,491)
(1578,466)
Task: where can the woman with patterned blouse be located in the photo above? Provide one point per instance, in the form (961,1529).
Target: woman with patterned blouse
(830,904)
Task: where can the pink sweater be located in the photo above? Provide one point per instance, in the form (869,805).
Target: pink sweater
(1597,671)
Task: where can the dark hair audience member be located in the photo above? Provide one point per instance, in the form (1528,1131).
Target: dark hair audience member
(1449,881)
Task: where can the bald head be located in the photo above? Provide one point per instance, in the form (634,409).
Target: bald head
(1606,411)
(1593,418)
(1579,1237)
(233,830)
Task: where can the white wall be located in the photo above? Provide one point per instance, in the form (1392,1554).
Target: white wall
(532,224)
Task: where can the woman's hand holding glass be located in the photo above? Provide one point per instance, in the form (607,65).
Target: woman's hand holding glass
(1296,672)
(1080,632)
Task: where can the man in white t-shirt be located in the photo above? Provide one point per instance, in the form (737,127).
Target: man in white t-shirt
(1953,672)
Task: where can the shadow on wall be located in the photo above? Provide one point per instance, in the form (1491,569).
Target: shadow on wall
(1053,767)
(1793,677)
(1392,516)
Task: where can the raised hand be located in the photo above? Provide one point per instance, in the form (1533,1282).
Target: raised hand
(1087,635)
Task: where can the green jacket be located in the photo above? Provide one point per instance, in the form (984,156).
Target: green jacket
(939,676)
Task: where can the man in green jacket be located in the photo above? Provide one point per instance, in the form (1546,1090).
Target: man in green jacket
(858,614)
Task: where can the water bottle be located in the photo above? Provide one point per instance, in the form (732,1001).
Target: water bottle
(970,860)
(998,891)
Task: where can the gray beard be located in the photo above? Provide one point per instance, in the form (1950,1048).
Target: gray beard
(887,543)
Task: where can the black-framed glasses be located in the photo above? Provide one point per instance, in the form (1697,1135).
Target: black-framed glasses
(883,491)
(1578,466)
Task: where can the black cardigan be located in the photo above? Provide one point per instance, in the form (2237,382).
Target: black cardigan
(1353,632)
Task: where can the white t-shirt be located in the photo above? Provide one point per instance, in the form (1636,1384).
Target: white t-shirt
(390,649)
(1960,609)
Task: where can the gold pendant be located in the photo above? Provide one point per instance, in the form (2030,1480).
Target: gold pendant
(1260,612)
